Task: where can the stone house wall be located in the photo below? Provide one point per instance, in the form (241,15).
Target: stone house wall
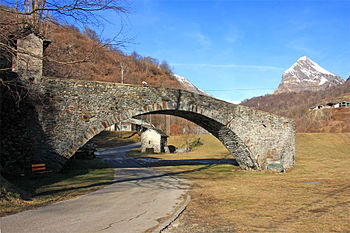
(29,59)
(153,139)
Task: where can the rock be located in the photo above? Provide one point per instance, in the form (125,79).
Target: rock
(181,150)
(275,167)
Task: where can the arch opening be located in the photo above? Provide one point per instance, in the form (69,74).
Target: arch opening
(225,135)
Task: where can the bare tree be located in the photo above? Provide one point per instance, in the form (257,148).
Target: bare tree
(165,67)
(82,11)
(38,15)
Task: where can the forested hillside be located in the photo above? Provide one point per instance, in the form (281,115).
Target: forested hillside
(296,106)
(73,54)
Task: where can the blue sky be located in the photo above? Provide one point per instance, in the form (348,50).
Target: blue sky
(236,49)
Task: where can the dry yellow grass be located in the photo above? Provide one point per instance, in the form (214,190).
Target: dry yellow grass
(211,148)
(313,197)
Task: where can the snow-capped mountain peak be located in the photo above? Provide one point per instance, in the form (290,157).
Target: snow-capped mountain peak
(306,74)
(189,86)
(311,64)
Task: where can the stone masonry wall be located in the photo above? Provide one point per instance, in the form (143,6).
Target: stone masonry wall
(76,110)
(28,62)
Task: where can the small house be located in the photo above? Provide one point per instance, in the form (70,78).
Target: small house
(154,140)
(344,104)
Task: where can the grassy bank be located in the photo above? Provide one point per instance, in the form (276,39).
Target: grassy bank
(78,177)
(312,197)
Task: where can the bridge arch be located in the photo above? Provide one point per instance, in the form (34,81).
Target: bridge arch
(83,109)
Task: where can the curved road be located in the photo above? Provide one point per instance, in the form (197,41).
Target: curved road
(133,203)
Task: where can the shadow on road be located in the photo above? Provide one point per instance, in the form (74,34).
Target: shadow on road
(129,169)
(126,180)
(155,162)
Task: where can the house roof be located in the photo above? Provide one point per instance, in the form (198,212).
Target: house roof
(158,131)
(139,122)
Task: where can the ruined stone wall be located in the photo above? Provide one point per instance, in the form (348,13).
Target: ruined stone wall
(28,62)
(76,110)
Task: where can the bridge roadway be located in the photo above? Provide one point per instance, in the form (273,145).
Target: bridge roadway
(133,203)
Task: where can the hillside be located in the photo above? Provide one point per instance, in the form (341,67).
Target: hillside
(73,54)
(296,106)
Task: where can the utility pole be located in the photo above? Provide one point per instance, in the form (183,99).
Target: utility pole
(122,75)
(167,124)
(122,67)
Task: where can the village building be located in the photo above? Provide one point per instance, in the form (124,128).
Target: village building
(154,140)
(342,104)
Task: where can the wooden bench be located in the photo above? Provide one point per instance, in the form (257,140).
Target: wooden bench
(39,168)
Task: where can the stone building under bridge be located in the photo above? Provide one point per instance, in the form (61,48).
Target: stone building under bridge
(154,140)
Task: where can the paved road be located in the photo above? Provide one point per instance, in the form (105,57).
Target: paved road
(133,203)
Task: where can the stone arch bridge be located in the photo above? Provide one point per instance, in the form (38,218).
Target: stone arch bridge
(74,111)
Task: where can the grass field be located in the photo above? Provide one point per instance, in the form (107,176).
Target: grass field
(312,197)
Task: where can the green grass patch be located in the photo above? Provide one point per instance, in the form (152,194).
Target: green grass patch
(77,178)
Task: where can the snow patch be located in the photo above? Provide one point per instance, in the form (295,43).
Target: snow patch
(303,58)
(290,70)
(231,101)
(234,101)
(323,81)
(320,69)
(310,80)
